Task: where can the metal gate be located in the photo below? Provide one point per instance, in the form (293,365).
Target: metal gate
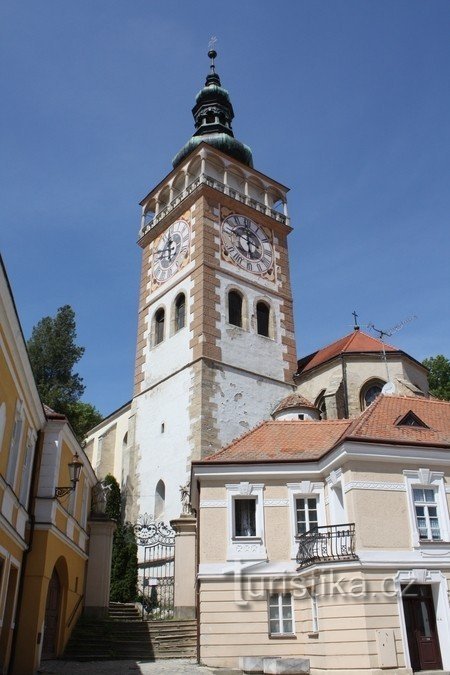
(156,557)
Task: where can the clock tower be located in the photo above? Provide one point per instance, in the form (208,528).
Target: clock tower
(216,345)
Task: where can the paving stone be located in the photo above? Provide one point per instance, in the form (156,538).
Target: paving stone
(160,667)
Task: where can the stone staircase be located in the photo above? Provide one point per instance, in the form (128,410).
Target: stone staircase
(123,635)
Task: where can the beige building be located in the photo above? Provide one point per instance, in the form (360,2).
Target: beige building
(343,378)
(329,540)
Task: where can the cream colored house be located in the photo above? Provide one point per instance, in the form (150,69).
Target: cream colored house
(329,540)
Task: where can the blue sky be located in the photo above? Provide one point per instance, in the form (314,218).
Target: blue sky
(347,102)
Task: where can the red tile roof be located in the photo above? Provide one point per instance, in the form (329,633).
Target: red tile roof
(52,415)
(380,421)
(294,401)
(355,342)
(297,440)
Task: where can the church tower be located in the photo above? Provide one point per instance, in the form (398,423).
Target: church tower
(216,345)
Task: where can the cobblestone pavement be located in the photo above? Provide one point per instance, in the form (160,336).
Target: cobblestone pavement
(160,667)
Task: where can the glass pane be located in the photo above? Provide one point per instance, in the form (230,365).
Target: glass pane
(287,626)
(273,600)
(286,600)
(420,511)
(418,495)
(245,517)
(429,495)
(273,613)
(432,512)
(274,627)
(312,503)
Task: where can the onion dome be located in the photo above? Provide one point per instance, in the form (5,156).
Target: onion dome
(296,406)
(213,114)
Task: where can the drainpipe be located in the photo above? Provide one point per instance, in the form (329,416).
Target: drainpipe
(344,380)
(31,507)
(197,582)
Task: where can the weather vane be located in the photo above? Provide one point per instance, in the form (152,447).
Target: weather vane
(212,51)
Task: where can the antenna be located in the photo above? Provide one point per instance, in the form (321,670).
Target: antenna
(387,333)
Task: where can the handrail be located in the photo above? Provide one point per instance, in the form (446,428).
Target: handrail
(327,544)
(74,611)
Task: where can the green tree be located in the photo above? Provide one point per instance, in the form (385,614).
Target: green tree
(53,354)
(124,571)
(439,376)
(124,564)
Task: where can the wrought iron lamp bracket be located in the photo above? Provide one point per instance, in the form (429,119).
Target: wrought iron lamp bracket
(63,491)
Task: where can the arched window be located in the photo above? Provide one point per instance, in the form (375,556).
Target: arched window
(235,308)
(370,391)
(262,318)
(180,312)
(159,326)
(160,500)
(321,405)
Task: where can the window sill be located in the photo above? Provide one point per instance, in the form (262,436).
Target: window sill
(433,542)
(314,635)
(252,539)
(283,636)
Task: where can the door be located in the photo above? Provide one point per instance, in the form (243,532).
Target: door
(420,619)
(51,617)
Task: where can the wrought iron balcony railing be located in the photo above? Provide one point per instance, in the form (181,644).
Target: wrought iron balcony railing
(329,544)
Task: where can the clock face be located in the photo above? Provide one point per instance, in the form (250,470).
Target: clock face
(247,244)
(171,251)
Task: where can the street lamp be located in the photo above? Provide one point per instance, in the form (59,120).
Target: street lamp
(75,467)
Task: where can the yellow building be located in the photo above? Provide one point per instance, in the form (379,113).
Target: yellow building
(47,575)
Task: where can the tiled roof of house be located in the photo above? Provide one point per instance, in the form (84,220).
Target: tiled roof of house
(297,440)
(284,440)
(294,401)
(381,421)
(356,341)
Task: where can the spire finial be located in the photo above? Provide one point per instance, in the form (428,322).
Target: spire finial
(212,52)
(355,318)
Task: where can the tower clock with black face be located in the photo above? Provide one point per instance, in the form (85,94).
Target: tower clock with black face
(247,244)
(171,251)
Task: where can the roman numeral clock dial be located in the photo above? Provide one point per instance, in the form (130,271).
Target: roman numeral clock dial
(247,245)
(171,251)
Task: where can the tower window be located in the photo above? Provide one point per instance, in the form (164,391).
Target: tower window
(235,308)
(262,318)
(180,312)
(159,326)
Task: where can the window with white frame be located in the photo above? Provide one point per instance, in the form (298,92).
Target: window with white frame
(426,510)
(307,509)
(26,469)
(15,445)
(428,507)
(281,614)
(244,517)
(306,516)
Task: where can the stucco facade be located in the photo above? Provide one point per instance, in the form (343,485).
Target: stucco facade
(349,611)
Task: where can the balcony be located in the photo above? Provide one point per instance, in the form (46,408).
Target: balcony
(329,544)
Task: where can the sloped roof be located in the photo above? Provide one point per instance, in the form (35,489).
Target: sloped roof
(294,401)
(354,342)
(300,440)
(52,415)
(379,421)
(284,440)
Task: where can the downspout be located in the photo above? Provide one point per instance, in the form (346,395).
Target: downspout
(197,582)
(32,503)
(344,380)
